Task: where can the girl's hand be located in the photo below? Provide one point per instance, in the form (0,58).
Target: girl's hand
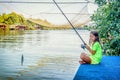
(90,50)
(87,47)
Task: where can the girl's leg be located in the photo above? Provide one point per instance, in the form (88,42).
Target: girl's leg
(82,62)
(85,58)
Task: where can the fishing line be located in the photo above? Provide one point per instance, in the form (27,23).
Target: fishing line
(69,22)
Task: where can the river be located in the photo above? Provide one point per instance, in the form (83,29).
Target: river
(47,54)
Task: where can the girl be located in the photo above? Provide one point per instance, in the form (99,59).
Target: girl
(95,50)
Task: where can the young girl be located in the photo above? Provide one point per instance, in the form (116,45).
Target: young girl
(95,50)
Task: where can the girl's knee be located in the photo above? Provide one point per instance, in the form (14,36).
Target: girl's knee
(82,55)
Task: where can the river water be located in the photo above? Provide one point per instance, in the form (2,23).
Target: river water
(47,54)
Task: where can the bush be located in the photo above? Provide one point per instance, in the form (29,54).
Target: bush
(107,20)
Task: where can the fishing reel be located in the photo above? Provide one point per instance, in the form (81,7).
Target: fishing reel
(83,46)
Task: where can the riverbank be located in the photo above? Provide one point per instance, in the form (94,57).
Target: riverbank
(15,21)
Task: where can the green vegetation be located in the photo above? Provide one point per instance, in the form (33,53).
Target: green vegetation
(107,22)
(14,19)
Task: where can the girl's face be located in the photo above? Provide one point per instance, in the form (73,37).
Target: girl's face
(92,37)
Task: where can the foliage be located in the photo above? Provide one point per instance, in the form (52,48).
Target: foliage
(30,23)
(15,19)
(107,20)
(12,18)
(100,2)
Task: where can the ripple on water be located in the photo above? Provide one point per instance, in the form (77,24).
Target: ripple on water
(48,55)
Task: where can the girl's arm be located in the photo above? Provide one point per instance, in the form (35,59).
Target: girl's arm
(90,50)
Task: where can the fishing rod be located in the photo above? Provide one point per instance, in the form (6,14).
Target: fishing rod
(69,22)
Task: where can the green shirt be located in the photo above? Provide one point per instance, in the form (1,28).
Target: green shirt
(96,58)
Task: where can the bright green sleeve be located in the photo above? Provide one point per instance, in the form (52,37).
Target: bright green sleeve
(95,46)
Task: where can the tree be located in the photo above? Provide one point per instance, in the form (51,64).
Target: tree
(100,2)
(107,20)
(1,19)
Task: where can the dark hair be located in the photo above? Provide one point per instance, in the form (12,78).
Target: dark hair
(95,33)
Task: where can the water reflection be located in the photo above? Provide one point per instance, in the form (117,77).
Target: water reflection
(10,37)
(44,54)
